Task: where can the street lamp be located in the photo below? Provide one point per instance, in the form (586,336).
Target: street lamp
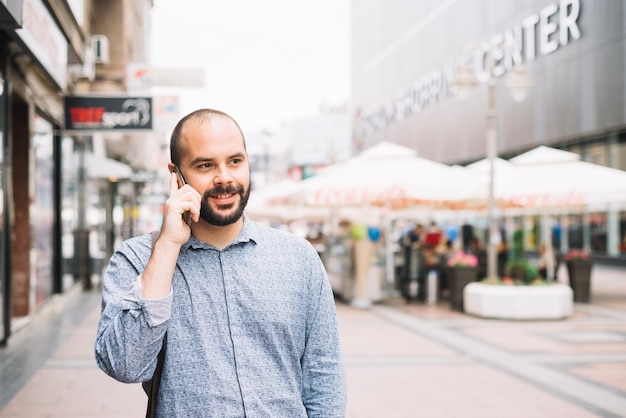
(519,83)
(492,153)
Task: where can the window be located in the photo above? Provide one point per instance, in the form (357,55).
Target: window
(42,210)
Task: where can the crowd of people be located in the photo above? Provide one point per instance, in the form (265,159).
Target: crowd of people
(431,249)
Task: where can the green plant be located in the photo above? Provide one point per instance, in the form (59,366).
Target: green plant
(518,267)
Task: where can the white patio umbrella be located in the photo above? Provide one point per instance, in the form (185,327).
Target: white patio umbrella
(482,166)
(391,176)
(546,179)
(269,203)
(550,178)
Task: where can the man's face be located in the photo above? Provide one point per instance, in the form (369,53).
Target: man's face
(215,163)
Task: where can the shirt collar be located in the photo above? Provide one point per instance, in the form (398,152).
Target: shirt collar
(249,233)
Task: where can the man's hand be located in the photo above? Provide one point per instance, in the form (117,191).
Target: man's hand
(181,200)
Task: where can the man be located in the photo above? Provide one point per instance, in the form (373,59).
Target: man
(245,311)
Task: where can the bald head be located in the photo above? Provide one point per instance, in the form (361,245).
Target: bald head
(200,116)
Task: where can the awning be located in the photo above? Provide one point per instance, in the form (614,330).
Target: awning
(106,168)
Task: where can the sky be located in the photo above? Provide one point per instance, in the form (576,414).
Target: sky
(266,62)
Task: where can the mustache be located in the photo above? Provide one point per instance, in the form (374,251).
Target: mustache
(224,190)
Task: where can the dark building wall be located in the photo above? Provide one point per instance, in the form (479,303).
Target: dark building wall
(21,227)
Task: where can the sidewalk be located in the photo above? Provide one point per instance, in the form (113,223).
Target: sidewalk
(48,369)
(403,360)
(419,360)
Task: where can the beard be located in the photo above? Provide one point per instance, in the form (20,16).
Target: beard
(213,217)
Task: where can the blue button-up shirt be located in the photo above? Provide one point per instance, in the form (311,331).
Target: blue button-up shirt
(251,329)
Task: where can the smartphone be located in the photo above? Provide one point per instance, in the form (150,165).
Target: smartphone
(181,183)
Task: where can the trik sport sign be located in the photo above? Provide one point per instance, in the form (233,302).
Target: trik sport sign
(89,113)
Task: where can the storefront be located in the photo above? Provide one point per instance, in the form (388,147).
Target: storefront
(107,188)
(34,54)
(10,19)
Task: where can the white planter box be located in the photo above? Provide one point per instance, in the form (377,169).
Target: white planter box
(553,301)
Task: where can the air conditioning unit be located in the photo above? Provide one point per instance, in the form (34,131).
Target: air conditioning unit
(100,45)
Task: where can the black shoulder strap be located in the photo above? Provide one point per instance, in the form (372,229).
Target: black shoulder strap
(156,378)
(156,382)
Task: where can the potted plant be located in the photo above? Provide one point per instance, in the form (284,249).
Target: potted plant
(509,298)
(579,272)
(462,269)
(522,293)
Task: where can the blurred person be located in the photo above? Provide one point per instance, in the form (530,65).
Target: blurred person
(432,250)
(245,312)
(433,236)
(502,254)
(446,251)
(452,233)
(413,263)
(544,261)
(478,249)
(467,236)
(414,238)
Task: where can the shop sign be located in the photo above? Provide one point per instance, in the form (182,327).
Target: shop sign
(536,35)
(142,76)
(44,39)
(89,113)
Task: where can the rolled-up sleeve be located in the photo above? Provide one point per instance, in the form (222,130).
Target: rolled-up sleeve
(157,310)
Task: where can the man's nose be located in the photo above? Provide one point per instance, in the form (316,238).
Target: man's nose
(223,175)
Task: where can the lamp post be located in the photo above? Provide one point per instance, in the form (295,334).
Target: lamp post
(492,152)
(518,84)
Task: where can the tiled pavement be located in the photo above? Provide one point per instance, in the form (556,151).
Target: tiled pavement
(402,361)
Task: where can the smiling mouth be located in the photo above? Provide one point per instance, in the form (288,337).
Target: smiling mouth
(222,196)
(224,201)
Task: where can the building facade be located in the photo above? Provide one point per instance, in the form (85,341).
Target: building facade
(59,186)
(408,59)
